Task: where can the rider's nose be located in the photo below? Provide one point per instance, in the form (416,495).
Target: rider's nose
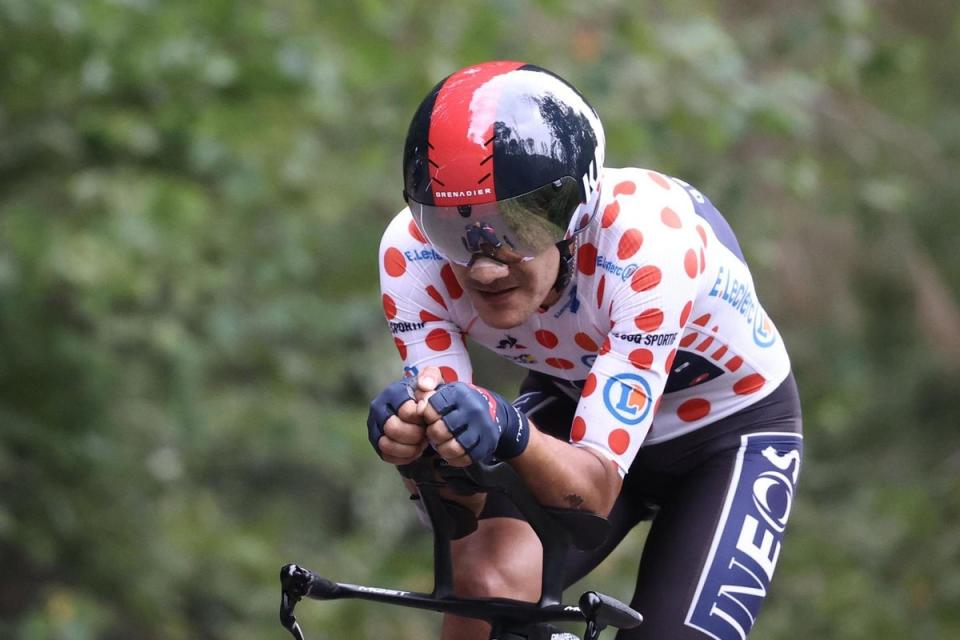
(487,270)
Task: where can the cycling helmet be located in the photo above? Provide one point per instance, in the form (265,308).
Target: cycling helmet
(498,158)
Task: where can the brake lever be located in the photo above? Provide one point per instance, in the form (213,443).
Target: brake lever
(294,584)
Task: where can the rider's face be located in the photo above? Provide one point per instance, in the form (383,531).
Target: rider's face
(507,295)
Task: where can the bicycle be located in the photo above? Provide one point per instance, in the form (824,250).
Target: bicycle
(509,619)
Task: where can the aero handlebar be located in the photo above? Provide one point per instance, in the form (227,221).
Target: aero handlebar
(557,529)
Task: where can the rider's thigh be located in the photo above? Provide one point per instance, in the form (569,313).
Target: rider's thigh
(712,549)
(502,558)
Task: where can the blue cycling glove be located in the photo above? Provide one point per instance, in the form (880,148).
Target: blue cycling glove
(385,405)
(481,421)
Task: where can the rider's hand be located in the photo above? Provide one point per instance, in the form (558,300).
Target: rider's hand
(466,423)
(394,427)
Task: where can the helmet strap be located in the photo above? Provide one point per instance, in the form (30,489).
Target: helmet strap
(565,271)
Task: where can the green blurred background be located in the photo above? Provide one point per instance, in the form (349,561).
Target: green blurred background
(191,197)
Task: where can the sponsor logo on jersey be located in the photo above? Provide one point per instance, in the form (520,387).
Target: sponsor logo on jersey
(648,339)
(509,342)
(764,335)
(614,268)
(627,397)
(422,254)
(410,372)
(572,303)
(741,297)
(523,358)
(403,327)
(746,546)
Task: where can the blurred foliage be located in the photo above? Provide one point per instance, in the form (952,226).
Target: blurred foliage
(191,196)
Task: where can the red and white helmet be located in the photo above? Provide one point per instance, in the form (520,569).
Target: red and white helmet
(498,158)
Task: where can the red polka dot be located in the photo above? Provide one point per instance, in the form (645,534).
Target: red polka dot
(584,221)
(703,261)
(630,243)
(702,320)
(394,263)
(587,259)
(690,263)
(589,385)
(547,338)
(618,440)
(645,278)
(666,368)
(693,409)
(600,287)
(426,316)
(439,340)
(389,307)
(702,234)
(578,429)
(559,363)
(641,358)
(585,342)
(450,280)
(734,363)
(685,314)
(670,218)
(401,347)
(433,293)
(719,353)
(750,384)
(610,213)
(605,347)
(627,188)
(416,233)
(649,320)
(688,339)
(448,374)
(703,346)
(700,378)
(659,179)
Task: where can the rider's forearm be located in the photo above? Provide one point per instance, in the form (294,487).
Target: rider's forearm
(562,475)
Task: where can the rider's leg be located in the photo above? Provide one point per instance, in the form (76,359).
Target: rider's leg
(711,551)
(502,558)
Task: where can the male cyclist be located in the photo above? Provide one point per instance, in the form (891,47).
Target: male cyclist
(656,384)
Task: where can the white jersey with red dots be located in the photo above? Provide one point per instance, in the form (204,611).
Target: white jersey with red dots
(661,321)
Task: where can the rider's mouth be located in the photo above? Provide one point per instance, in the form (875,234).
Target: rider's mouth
(496,297)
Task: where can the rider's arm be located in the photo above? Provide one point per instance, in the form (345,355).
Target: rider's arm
(467,423)
(418,301)
(420,298)
(584,480)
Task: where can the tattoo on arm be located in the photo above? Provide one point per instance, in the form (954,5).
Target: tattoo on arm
(573,500)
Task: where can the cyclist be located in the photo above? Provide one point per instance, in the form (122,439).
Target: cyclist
(657,383)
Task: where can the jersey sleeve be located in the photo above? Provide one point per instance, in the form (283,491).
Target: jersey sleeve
(418,293)
(647,313)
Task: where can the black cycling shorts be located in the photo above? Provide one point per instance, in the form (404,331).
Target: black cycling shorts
(719,498)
